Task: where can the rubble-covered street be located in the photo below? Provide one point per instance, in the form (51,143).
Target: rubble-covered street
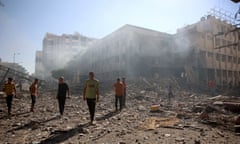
(188,118)
(180,60)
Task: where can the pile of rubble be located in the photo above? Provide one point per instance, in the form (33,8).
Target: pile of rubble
(149,117)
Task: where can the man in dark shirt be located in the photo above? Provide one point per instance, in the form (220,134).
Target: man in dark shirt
(63,90)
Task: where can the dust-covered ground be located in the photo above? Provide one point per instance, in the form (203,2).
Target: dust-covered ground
(177,121)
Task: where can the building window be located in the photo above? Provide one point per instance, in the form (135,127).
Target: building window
(218,57)
(202,53)
(234,60)
(230,59)
(234,48)
(50,42)
(224,42)
(235,74)
(218,73)
(217,42)
(209,37)
(210,54)
(229,73)
(224,73)
(223,58)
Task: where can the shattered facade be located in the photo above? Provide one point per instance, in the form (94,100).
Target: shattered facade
(216,50)
(206,50)
(130,51)
(58,51)
(197,51)
(39,68)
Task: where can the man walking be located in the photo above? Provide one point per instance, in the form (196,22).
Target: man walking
(10,89)
(63,90)
(91,94)
(34,92)
(119,90)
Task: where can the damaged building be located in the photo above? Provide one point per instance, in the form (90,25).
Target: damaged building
(214,41)
(206,50)
(58,51)
(130,51)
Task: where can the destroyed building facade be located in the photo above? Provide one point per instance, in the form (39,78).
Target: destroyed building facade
(58,51)
(130,51)
(206,50)
(215,43)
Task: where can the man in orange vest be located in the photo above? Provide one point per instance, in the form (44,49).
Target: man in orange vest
(119,91)
(211,87)
(10,89)
(34,92)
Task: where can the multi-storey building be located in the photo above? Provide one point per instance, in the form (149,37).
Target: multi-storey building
(39,68)
(215,42)
(130,51)
(202,51)
(58,51)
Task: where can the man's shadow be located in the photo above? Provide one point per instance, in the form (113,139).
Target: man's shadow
(17,114)
(63,135)
(32,124)
(108,115)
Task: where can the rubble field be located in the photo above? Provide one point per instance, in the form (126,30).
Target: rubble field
(149,118)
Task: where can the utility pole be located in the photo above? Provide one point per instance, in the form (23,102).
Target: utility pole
(14,55)
(14,64)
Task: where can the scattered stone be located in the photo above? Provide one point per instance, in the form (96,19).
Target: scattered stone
(179,139)
(167,135)
(141,108)
(184,113)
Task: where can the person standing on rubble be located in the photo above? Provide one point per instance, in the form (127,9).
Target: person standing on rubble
(211,87)
(124,92)
(63,90)
(10,89)
(119,92)
(34,92)
(91,94)
(170,93)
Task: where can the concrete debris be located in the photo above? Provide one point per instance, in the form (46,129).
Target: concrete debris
(157,122)
(149,117)
(155,108)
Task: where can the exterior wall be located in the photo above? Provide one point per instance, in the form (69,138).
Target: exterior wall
(219,60)
(198,49)
(39,69)
(130,51)
(58,51)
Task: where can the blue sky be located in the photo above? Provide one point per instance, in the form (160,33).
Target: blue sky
(23,23)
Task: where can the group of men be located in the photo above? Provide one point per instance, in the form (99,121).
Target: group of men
(90,94)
